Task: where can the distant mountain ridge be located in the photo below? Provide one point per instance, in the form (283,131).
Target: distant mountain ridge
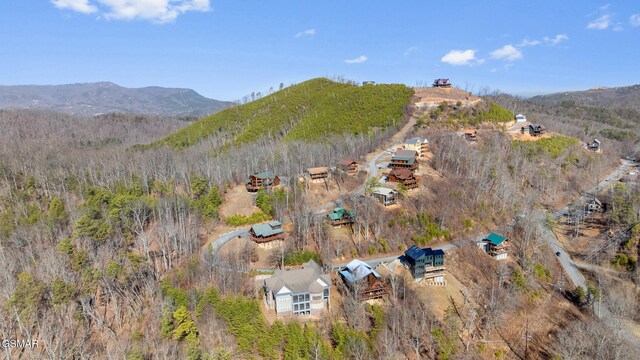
(106,97)
(619,97)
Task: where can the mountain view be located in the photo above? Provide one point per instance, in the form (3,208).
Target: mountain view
(373,185)
(105,97)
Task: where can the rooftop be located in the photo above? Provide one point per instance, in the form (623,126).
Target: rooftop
(495,239)
(308,279)
(318,170)
(267,229)
(415,140)
(415,252)
(357,270)
(338,213)
(384,191)
(265,175)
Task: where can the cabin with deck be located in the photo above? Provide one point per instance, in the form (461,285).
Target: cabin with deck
(404,159)
(495,245)
(594,145)
(264,180)
(340,216)
(417,144)
(471,135)
(404,177)
(266,232)
(364,282)
(349,166)
(426,264)
(318,173)
(534,130)
(385,196)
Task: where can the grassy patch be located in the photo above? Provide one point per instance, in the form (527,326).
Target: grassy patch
(552,146)
(240,220)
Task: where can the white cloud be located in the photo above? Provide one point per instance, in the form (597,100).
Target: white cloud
(309,33)
(359,60)
(459,57)
(527,42)
(507,52)
(635,20)
(82,6)
(411,50)
(600,23)
(161,11)
(556,39)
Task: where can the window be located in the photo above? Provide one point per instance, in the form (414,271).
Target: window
(295,307)
(326,293)
(306,297)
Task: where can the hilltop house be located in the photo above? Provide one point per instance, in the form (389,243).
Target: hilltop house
(365,282)
(426,264)
(404,177)
(368,82)
(417,144)
(303,291)
(386,196)
(404,159)
(471,135)
(442,83)
(349,166)
(534,130)
(263,180)
(520,118)
(267,232)
(594,205)
(318,173)
(496,246)
(594,145)
(340,216)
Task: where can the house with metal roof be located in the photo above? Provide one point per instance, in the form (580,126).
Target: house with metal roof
(404,159)
(363,280)
(417,144)
(520,118)
(426,264)
(262,180)
(441,83)
(340,216)
(534,130)
(266,232)
(495,245)
(385,196)
(594,145)
(298,292)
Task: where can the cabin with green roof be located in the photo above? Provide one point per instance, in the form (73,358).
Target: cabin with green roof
(267,232)
(495,245)
(404,159)
(262,180)
(340,216)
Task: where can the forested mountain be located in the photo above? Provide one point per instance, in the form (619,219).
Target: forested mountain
(619,97)
(106,97)
(311,110)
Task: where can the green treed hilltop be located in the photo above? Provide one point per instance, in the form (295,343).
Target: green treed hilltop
(308,111)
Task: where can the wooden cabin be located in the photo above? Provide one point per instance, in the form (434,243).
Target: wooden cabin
(318,173)
(263,180)
(385,196)
(594,145)
(404,159)
(471,135)
(404,177)
(495,245)
(349,166)
(267,232)
(534,130)
(365,282)
(340,216)
(442,83)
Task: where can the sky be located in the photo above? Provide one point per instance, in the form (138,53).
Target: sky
(228,49)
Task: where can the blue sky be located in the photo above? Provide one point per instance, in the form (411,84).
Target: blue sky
(227,49)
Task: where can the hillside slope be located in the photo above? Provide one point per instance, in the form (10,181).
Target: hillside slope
(106,97)
(621,97)
(308,111)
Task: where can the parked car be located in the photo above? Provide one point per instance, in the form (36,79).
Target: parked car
(557,253)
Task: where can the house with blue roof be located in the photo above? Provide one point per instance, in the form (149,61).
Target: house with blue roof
(495,245)
(266,232)
(364,281)
(426,264)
